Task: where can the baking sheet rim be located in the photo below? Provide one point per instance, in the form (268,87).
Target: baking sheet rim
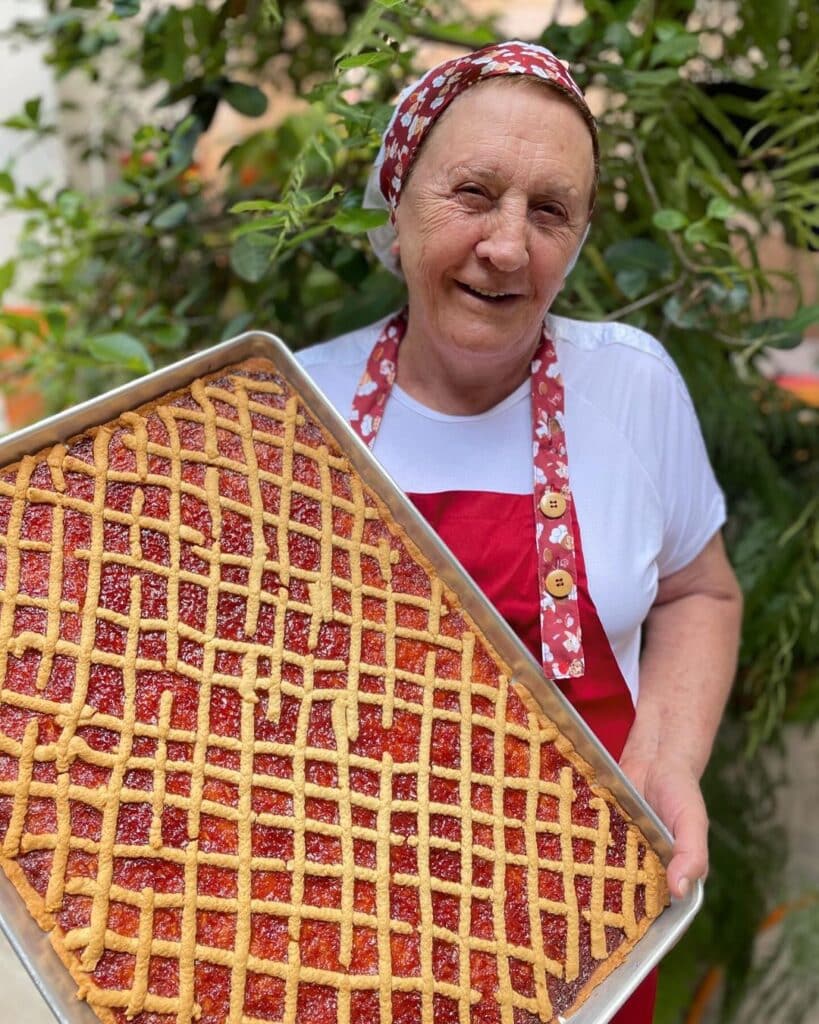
(664,931)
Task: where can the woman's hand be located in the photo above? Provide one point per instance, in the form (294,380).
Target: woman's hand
(686,671)
(674,793)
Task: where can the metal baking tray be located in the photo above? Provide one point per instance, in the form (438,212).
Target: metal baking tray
(32,945)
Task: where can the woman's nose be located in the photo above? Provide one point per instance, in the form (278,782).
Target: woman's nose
(505,242)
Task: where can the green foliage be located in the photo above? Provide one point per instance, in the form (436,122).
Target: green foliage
(746,859)
(701,156)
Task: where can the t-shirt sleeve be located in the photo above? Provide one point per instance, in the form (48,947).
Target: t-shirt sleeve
(692,500)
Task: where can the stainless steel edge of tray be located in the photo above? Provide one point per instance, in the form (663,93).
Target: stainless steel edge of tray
(32,945)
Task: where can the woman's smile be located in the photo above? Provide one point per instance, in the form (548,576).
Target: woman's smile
(488,295)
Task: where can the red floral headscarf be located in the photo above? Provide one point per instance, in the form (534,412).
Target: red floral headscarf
(423,102)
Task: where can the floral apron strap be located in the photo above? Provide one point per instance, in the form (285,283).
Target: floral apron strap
(557,573)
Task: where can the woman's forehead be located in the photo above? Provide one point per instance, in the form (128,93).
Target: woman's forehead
(504,96)
(491,128)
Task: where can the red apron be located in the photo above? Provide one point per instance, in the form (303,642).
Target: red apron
(493,537)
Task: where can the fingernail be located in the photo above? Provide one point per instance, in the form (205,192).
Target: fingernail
(683,887)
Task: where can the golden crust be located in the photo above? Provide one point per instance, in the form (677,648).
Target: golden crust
(525,731)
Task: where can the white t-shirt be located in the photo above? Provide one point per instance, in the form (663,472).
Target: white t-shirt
(646,498)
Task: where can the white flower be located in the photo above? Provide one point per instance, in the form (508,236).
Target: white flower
(558,534)
(571,643)
(367,387)
(367,425)
(547,603)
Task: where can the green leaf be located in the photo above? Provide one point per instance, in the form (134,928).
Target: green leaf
(20,322)
(169,336)
(632,282)
(618,36)
(6,274)
(201,21)
(701,232)
(126,8)
(389,4)
(171,45)
(665,29)
(776,332)
(675,50)
(656,78)
(184,139)
(257,206)
(458,33)
(32,109)
(172,216)
(639,253)
(70,205)
(250,256)
(247,99)
(120,349)
(669,220)
(355,222)
(275,222)
(19,123)
(684,315)
(272,11)
(57,320)
(236,325)
(732,300)
(805,318)
(369,59)
(6,183)
(720,209)
(582,32)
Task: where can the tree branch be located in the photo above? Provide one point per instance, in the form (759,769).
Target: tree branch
(646,300)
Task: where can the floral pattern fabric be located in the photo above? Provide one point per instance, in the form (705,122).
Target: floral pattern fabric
(562,650)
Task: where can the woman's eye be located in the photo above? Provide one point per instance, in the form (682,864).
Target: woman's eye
(550,211)
(473,194)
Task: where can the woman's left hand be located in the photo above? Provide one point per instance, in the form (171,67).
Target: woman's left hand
(674,793)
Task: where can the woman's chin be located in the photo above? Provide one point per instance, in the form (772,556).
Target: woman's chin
(494,341)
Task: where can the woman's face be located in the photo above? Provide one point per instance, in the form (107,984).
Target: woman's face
(494,209)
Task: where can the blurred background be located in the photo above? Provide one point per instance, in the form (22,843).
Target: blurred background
(174,173)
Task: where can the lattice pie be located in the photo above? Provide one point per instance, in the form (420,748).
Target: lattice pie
(257,765)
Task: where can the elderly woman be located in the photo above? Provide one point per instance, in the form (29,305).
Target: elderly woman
(560,460)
